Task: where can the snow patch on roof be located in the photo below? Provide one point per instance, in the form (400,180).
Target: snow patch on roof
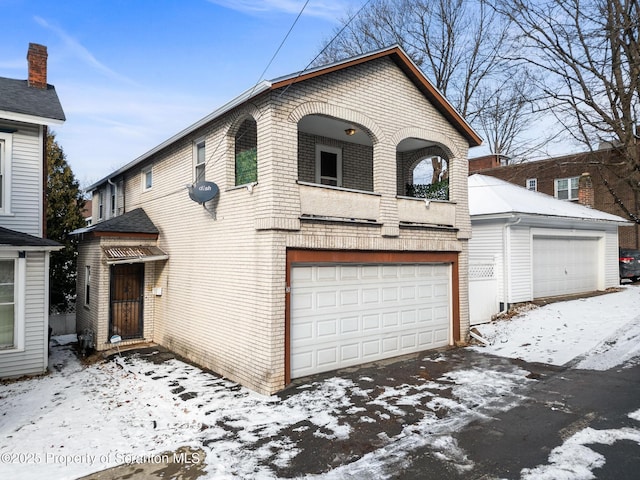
(493,196)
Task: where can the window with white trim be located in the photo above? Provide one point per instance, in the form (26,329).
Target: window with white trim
(199,161)
(328,165)
(566,188)
(12,278)
(87,285)
(5,172)
(532,184)
(100,204)
(147,179)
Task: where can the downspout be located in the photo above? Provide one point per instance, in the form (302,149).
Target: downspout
(506,262)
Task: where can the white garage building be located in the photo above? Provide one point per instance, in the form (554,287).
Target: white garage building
(527,245)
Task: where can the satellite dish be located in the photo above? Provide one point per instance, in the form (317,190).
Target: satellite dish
(202,192)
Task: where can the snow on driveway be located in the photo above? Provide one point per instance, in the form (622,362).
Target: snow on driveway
(605,329)
(80,418)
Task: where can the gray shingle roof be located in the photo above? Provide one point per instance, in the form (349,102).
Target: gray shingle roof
(19,239)
(18,97)
(135,221)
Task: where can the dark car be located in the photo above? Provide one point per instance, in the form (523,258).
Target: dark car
(630,264)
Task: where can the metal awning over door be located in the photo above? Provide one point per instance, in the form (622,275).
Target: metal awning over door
(137,254)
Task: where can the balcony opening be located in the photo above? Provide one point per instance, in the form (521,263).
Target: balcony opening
(430,179)
(334,152)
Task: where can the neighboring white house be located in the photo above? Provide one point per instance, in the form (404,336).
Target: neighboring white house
(529,245)
(26,108)
(306,255)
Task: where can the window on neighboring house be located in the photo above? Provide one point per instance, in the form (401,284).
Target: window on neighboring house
(147,179)
(199,163)
(566,188)
(329,165)
(11,303)
(5,172)
(87,285)
(113,200)
(532,184)
(100,205)
(246,153)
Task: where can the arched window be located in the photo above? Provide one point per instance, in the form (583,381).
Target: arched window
(246,152)
(430,179)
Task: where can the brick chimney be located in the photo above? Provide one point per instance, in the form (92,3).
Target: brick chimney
(585,190)
(37,60)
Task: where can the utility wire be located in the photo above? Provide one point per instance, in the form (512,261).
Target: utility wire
(335,36)
(265,70)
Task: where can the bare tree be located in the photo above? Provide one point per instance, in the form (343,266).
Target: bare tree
(587,55)
(459,44)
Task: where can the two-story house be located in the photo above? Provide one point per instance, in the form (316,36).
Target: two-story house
(596,179)
(273,239)
(27,107)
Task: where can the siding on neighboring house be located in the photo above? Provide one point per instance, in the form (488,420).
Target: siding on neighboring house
(519,285)
(33,359)
(26,181)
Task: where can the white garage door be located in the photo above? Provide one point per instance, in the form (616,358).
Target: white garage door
(564,265)
(343,315)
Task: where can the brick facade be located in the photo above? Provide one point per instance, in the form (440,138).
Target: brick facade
(224,286)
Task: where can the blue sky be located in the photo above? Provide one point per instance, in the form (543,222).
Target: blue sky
(132,73)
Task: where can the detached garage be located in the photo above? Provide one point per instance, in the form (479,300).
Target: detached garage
(348,308)
(538,246)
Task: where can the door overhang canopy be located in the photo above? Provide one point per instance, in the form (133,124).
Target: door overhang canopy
(126,254)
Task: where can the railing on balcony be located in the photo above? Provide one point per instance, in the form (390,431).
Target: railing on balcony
(423,211)
(327,202)
(323,201)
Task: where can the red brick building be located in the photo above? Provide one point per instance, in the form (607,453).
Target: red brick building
(596,179)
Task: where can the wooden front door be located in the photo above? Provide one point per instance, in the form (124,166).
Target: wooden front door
(126,304)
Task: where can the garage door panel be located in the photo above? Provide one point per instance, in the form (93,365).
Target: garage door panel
(369,312)
(564,265)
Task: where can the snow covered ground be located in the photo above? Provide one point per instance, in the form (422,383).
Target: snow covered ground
(81,419)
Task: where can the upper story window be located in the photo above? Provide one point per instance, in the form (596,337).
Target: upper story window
(566,188)
(147,179)
(113,192)
(532,184)
(5,172)
(328,165)
(199,161)
(246,152)
(87,285)
(100,204)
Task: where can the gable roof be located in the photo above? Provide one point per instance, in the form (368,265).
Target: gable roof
(19,101)
(410,69)
(135,221)
(19,239)
(395,53)
(490,196)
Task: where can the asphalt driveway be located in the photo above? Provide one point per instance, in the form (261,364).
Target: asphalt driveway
(414,418)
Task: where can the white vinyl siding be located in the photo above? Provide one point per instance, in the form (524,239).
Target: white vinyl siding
(22,207)
(31,355)
(519,281)
(344,315)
